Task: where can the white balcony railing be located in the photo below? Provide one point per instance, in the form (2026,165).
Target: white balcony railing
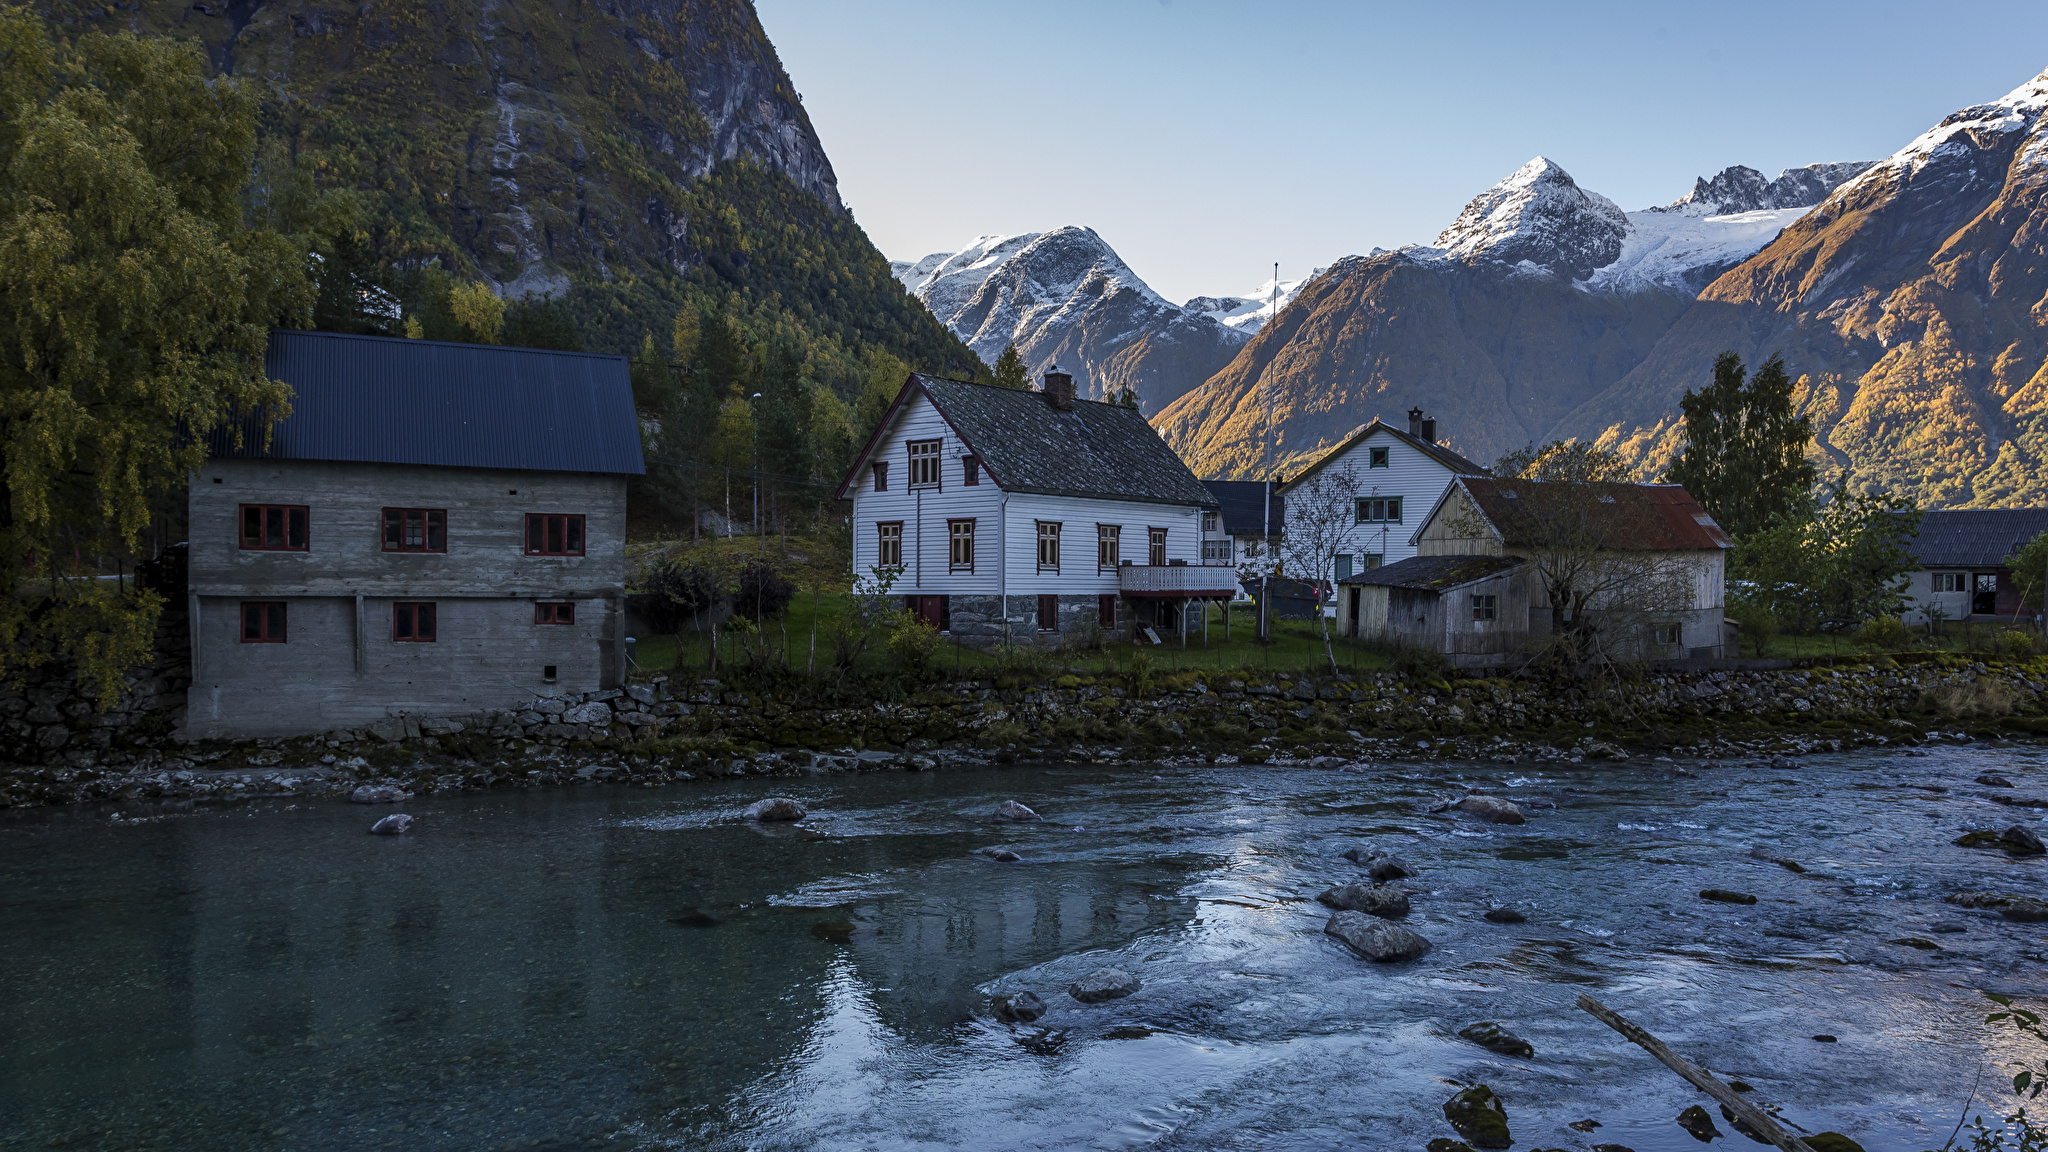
(1177,580)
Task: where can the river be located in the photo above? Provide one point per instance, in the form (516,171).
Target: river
(613,967)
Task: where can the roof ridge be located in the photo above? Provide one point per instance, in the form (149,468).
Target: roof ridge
(424,343)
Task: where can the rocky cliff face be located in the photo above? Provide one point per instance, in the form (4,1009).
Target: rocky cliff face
(1913,307)
(1066,297)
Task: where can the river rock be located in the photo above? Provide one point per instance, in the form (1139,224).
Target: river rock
(1377,940)
(1699,1124)
(1774,858)
(1002,855)
(377,794)
(2025,912)
(1506,916)
(1024,1007)
(1390,867)
(1377,899)
(1990,781)
(1011,810)
(1831,1142)
(1490,1035)
(1103,984)
(1492,809)
(396,824)
(1724,896)
(2021,841)
(1446,1144)
(778,808)
(1478,1116)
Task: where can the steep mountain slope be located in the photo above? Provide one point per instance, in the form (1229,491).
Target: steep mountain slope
(1538,297)
(620,153)
(1066,297)
(1913,306)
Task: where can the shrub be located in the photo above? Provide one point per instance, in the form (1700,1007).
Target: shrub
(914,643)
(1884,634)
(2015,644)
(762,592)
(1755,625)
(1422,664)
(680,591)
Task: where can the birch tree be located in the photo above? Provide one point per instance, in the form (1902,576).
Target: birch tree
(1321,513)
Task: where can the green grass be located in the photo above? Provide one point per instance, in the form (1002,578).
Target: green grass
(1297,645)
(1955,637)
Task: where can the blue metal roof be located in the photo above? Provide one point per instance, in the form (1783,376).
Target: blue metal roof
(385,400)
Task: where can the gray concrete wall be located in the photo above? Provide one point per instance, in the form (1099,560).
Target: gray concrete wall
(340,666)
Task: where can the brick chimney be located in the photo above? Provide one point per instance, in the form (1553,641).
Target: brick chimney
(1420,428)
(1059,389)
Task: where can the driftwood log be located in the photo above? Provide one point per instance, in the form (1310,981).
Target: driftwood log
(1698,1077)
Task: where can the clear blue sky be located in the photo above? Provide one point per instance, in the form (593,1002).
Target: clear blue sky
(1205,140)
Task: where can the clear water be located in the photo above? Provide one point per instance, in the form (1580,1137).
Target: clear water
(608,967)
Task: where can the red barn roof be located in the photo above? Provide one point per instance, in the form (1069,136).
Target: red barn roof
(1630,517)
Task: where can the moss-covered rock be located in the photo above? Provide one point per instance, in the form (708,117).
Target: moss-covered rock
(1490,1035)
(1479,1117)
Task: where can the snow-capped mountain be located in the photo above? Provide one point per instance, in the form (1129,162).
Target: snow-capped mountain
(1540,216)
(1066,297)
(1741,189)
(1248,312)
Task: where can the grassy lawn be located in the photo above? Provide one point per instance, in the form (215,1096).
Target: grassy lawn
(1297,644)
(1955,637)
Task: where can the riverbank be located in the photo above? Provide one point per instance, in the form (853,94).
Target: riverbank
(662,732)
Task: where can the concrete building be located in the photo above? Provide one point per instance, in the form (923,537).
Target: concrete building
(1003,515)
(1962,573)
(436,529)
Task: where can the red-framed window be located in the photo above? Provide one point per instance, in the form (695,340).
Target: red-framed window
(412,622)
(924,463)
(263,621)
(554,612)
(551,534)
(970,471)
(1156,546)
(1048,545)
(1105,609)
(415,530)
(882,477)
(889,544)
(1108,545)
(1048,613)
(275,527)
(960,545)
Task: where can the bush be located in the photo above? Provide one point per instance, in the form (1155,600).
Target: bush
(1754,625)
(1884,634)
(762,592)
(914,643)
(2015,644)
(680,592)
(1422,664)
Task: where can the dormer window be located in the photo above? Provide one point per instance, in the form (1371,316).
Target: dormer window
(1376,457)
(924,463)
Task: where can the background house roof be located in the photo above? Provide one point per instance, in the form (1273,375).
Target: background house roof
(1434,573)
(1458,465)
(1099,450)
(394,401)
(1630,517)
(1975,538)
(1243,504)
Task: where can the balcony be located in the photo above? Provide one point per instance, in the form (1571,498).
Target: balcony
(1178,581)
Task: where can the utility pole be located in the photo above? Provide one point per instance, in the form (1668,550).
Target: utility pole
(754,422)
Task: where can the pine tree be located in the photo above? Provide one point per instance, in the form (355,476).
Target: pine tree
(1745,449)
(1010,371)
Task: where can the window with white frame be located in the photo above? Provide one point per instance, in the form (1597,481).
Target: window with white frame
(1949,582)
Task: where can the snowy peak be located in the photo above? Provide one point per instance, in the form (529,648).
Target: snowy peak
(1970,128)
(1740,189)
(1542,216)
(1249,312)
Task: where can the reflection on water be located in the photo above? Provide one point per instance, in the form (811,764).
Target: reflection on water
(605,968)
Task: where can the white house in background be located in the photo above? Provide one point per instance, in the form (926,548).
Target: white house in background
(1400,476)
(1029,516)
(1962,556)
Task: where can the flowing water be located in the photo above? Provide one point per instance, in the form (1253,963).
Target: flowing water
(608,967)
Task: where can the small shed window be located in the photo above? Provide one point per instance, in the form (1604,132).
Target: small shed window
(1483,607)
(262,621)
(554,535)
(415,530)
(274,527)
(412,623)
(1048,546)
(889,544)
(1376,457)
(553,612)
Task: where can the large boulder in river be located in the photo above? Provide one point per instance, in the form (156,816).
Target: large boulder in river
(1478,1116)
(1492,809)
(1490,1035)
(1024,1007)
(778,808)
(1377,940)
(2021,841)
(1011,810)
(1390,867)
(1376,899)
(1103,984)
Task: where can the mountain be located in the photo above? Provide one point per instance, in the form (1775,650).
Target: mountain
(1540,296)
(625,157)
(1066,297)
(1249,312)
(1912,305)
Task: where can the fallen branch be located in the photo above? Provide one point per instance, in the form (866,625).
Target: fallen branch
(1696,1076)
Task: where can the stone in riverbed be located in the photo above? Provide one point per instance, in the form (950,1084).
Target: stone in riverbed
(1024,1007)
(1991,781)
(396,824)
(1377,899)
(1377,940)
(377,794)
(1103,984)
(1492,1036)
(1385,868)
(2021,841)
(1831,1142)
(1002,855)
(1506,916)
(2025,912)
(1492,809)
(1478,1116)
(776,809)
(1698,1124)
(1011,810)
(1446,1144)
(1724,896)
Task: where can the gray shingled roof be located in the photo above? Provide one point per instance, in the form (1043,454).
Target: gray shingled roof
(1242,503)
(1434,573)
(1106,451)
(1458,465)
(1977,537)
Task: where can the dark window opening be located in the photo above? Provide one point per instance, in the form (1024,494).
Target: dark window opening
(970,471)
(547,673)
(412,623)
(1379,511)
(1048,613)
(881,477)
(554,613)
(262,621)
(274,527)
(1106,610)
(1483,607)
(1377,458)
(415,530)
(553,535)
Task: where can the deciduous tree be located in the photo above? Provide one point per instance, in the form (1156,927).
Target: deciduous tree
(1744,458)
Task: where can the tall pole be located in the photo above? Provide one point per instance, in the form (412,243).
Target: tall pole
(753,421)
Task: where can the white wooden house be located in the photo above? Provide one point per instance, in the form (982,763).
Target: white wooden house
(1962,573)
(1018,516)
(1399,477)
